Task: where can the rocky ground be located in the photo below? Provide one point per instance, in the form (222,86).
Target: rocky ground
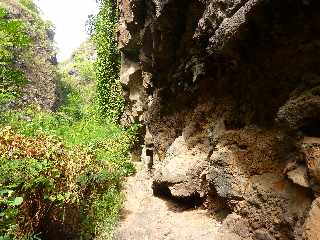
(147,217)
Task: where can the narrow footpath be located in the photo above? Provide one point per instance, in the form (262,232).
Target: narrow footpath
(146,217)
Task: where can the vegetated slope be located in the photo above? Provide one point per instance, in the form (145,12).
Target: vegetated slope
(229,94)
(61,172)
(28,62)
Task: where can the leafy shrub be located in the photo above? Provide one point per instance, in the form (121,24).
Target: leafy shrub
(40,178)
(109,92)
(13,36)
(34,173)
(63,170)
(74,128)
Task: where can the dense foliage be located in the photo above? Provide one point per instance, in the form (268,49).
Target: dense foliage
(61,159)
(37,172)
(13,38)
(48,177)
(61,172)
(109,91)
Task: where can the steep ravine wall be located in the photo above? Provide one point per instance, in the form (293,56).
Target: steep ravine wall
(229,93)
(37,60)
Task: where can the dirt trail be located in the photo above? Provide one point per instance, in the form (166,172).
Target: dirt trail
(146,217)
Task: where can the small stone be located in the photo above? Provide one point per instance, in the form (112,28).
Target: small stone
(299,176)
(73,72)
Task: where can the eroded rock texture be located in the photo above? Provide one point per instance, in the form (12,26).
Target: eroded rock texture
(229,92)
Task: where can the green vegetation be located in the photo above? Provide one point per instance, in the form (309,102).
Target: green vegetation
(66,158)
(13,39)
(109,92)
(46,175)
(62,169)
(29,4)
(26,51)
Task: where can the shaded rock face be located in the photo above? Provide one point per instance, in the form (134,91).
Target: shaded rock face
(229,93)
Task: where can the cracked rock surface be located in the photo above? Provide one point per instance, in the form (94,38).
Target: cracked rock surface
(228,92)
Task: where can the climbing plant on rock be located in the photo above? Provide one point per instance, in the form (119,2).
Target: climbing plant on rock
(109,92)
(13,38)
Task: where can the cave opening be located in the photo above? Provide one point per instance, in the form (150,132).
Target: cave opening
(177,203)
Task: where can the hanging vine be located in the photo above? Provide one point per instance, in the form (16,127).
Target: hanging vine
(109,91)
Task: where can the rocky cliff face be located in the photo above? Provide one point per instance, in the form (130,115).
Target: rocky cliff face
(37,61)
(229,92)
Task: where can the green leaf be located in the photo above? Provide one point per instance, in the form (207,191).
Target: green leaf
(6,191)
(17,201)
(60,197)
(52,198)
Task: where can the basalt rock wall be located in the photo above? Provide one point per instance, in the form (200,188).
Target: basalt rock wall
(229,94)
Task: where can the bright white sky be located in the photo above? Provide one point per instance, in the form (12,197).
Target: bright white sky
(69,18)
